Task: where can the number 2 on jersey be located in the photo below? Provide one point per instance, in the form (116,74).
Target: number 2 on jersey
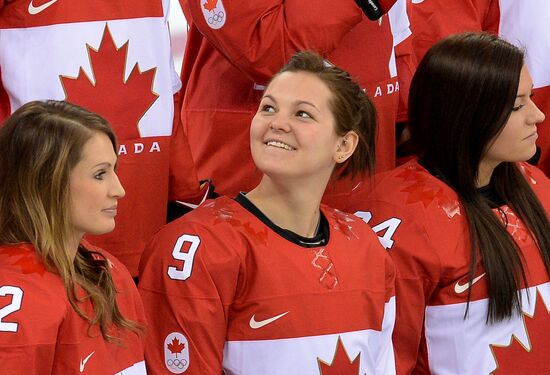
(17,297)
(388,227)
(184,250)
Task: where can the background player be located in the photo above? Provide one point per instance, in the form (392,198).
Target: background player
(467,223)
(271,282)
(112,58)
(65,307)
(233,51)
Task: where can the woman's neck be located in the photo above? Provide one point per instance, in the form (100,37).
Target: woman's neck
(295,209)
(484,173)
(74,242)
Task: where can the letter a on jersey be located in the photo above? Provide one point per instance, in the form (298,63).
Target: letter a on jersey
(214,13)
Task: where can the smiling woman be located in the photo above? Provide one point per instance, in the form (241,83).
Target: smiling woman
(273,282)
(65,306)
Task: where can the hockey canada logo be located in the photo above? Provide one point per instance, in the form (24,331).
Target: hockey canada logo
(214,13)
(176,353)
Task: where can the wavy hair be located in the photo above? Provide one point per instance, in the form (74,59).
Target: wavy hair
(40,144)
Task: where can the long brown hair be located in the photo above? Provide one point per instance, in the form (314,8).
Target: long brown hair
(40,144)
(460,99)
(350,105)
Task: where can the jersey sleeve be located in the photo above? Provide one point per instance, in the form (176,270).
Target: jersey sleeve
(30,315)
(417,272)
(386,357)
(270,31)
(188,279)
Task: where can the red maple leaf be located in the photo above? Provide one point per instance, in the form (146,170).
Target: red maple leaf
(341,363)
(420,190)
(210,5)
(515,358)
(120,102)
(176,346)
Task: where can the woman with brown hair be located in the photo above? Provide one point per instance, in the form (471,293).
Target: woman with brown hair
(65,306)
(467,222)
(273,282)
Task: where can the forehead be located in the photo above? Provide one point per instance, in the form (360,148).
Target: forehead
(525,81)
(300,85)
(97,149)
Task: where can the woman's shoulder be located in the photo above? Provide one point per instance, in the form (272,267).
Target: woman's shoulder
(533,174)
(408,194)
(211,213)
(22,262)
(120,274)
(37,294)
(538,181)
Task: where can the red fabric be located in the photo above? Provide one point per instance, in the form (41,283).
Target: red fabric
(208,273)
(118,63)
(422,223)
(50,337)
(432,20)
(223,68)
(15,13)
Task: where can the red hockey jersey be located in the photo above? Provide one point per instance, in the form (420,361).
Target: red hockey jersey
(435,19)
(223,290)
(40,332)
(114,58)
(421,222)
(233,50)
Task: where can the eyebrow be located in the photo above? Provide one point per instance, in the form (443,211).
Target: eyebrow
(102,164)
(297,102)
(524,95)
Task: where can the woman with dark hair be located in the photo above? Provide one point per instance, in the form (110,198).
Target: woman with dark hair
(466,223)
(65,306)
(273,282)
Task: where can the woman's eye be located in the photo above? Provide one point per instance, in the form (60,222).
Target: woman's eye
(303,114)
(268,108)
(517,108)
(99,175)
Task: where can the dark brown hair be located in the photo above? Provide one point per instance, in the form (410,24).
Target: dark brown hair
(351,107)
(460,99)
(40,144)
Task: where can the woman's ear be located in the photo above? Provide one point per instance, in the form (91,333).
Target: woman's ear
(346,146)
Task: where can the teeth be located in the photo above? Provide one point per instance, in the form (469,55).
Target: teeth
(280,145)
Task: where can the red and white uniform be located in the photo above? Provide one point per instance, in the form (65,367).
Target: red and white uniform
(525,24)
(233,50)
(41,333)
(432,20)
(422,224)
(113,58)
(224,291)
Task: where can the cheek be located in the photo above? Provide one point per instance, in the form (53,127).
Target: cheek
(257,128)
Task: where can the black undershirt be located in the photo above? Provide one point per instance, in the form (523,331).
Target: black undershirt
(320,239)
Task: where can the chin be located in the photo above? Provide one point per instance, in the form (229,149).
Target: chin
(97,231)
